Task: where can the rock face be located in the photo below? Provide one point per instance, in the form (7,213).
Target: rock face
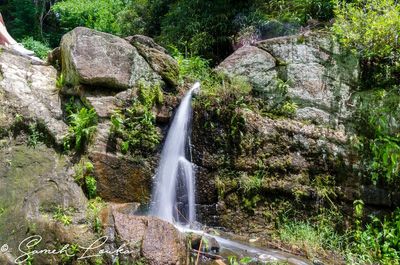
(99,59)
(150,239)
(29,91)
(255,64)
(320,75)
(158,58)
(34,183)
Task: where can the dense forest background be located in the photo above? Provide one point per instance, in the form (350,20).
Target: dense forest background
(207,28)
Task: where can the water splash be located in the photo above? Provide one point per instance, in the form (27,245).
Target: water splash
(174,192)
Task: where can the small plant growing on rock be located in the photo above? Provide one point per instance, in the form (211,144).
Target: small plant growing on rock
(93,211)
(60,82)
(63,215)
(83,176)
(82,126)
(35,135)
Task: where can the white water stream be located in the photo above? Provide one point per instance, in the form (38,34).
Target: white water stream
(173,195)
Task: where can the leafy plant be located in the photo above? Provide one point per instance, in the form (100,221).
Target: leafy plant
(82,126)
(60,82)
(83,176)
(369,28)
(62,215)
(35,136)
(136,124)
(378,241)
(93,213)
(100,15)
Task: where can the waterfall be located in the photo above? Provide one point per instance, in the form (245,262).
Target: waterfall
(173,195)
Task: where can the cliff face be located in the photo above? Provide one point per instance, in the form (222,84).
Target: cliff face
(297,163)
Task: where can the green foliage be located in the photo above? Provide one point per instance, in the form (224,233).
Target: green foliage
(204,27)
(41,49)
(369,27)
(100,14)
(82,126)
(136,124)
(314,238)
(277,103)
(24,14)
(193,68)
(83,176)
(63,215)
(60,82)
(93,213)
(296,11)
(377,242)
(379,143)
(35,136)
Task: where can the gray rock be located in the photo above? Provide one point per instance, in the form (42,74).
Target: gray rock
(100,59)
(157,241)
(320,75)
(158,58)
(30,91)
(33,183)
(255,64)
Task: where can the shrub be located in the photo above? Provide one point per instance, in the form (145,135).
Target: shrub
(41,49)
(379,142)
(295,11)
(378,242)
(370,28)
(100,15)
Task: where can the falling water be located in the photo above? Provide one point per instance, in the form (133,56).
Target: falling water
(173,195)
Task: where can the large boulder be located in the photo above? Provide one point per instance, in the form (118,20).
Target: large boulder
(149,239)
(28,90)
(319,75)
(99,59)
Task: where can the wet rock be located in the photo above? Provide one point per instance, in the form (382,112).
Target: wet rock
(157,241)
(121,178)
(29,91)
(158,58)
(209,244)
(103,60)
